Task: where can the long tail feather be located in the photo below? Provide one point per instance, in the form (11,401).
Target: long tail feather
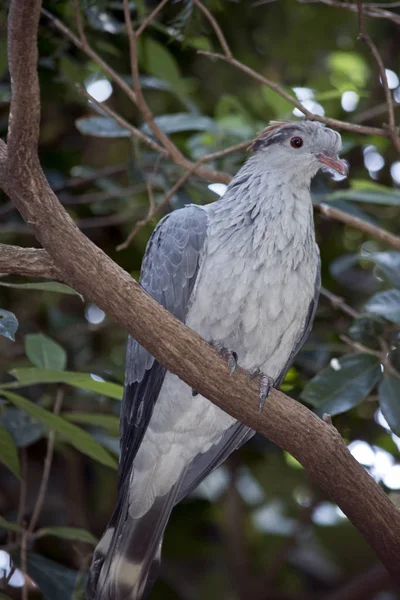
(126,560)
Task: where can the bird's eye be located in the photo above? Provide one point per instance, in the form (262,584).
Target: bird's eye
(296,142)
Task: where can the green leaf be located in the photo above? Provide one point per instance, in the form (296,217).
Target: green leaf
(336,390)
(8,324)
(348,67)
(44,353)
(54,581)
(77,437)
(389,264)
(158,61)
(389,401)
(45,286)
(101,127)
(389,198)
(68,533)
(386,304)
(10,526)
(178,122)
(23,429)
(109,422)
(83,381)
(8,451)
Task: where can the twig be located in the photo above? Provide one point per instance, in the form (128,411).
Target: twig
(364,37)
(217,29)
(79,23)
(353,127)
(150,17)
(374,230)
(122,122)
(371,10)
(88,50)
(157,209)
(47,466)
(339,304)
(140,101)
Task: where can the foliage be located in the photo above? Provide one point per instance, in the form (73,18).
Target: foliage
(50,340)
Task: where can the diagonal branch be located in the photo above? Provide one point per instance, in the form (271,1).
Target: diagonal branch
(339,215)
(343,125)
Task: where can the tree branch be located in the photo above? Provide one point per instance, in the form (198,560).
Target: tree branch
(374,230)
(343,125)
(29,262)
(371,10)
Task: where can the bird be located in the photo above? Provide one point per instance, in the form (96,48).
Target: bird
(244,273)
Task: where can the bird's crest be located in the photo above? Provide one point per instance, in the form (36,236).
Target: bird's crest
(265,136)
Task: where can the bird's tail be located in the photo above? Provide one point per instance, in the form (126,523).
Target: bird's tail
(126,560)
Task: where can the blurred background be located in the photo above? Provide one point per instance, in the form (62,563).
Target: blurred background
(257,527)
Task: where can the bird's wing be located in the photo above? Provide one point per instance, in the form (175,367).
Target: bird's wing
(238,434)
(169,272)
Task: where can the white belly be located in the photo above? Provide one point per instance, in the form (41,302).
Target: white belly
(258,311)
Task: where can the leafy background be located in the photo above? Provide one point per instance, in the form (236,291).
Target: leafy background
(257,527)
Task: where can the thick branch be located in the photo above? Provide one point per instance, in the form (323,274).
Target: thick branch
(29,262)
(315,443)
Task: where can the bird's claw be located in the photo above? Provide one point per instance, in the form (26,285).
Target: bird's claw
(265,386)
(230,357)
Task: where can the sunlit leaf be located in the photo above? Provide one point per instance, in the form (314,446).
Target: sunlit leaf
(8,451)
(84,381)
(68,533)
(336,390)
(348,67)
(8,324)
(386,304)
(77,437)
(44,352)
(389,401)
(45,286)
(101,127)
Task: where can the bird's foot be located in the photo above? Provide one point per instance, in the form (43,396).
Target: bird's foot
(265,386)
(229,355)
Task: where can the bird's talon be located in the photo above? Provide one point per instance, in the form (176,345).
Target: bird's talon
(229,355)
(194,393)
(266,385)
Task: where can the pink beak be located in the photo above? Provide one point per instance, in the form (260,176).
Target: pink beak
(334,163)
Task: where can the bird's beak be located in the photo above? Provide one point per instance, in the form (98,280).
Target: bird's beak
(333,163)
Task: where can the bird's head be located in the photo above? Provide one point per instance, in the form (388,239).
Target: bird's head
(300,149)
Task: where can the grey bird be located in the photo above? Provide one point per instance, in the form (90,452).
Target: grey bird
(244,273)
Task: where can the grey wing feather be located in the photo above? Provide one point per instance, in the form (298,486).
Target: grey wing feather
(169,272)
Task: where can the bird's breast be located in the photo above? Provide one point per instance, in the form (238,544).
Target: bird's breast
(256,300)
